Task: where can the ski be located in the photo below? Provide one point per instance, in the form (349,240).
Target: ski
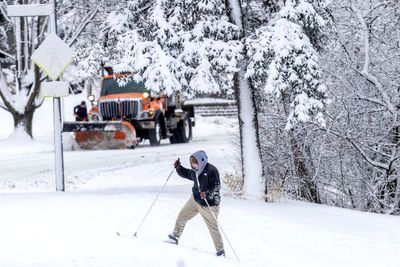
(119,234)
(166,241)
(125,235)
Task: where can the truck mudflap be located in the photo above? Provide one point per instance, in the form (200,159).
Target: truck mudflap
(102,135)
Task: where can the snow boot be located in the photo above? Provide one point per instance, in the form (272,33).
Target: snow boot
(221,253)
(172,239)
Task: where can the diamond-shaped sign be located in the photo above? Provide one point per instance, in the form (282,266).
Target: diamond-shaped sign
(53,56)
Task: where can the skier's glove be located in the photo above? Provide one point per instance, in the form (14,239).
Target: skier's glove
(202,195)
(177,163)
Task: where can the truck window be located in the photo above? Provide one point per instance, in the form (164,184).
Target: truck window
(110,86)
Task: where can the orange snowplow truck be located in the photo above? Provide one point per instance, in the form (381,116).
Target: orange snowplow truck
(127,114)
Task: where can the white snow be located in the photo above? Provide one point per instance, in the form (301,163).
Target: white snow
(53,56)
(29,10)
(109,191)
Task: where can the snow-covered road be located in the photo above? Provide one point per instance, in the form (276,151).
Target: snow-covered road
(35,168)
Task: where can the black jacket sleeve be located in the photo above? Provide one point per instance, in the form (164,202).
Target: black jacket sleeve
(215,185)
(185,173)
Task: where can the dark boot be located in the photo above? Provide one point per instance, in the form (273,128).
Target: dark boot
(172,239)
(221,253)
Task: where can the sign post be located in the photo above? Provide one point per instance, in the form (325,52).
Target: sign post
(53,56)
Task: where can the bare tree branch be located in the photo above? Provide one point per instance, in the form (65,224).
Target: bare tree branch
(5,94)
(365,72)
(86,20)
(7,54)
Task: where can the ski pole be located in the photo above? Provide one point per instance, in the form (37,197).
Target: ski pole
(222,230)
(162,188)
(218,224)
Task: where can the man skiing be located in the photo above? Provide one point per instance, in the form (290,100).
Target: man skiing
(206,186)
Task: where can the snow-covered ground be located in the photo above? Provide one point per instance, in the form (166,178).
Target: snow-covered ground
(109,191)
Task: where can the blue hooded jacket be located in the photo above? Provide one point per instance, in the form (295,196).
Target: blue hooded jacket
(208,177)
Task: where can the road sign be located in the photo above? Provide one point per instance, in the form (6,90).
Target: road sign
(53,56)
(29,10)
(54,89)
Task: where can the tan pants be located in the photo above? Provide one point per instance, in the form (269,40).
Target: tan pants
(191,209)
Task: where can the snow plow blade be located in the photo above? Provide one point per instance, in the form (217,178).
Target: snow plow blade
(102,135)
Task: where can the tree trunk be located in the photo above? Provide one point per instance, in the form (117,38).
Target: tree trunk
(257,133)
(254,186)
(237,97)
(24,121)
(307,187)
(250,149)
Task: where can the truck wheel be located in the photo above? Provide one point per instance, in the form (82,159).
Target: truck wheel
(155,134)
(185,131)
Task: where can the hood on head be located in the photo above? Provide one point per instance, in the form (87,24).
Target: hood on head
(201,158)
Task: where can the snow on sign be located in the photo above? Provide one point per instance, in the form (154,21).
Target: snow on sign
(53,56)
(54,89)
(29,10)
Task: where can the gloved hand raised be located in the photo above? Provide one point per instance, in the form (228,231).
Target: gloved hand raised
(177,163)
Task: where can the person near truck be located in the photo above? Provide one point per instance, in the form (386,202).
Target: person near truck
(80,112)
(204,200)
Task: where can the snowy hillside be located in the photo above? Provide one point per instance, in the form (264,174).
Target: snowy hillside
(109,191)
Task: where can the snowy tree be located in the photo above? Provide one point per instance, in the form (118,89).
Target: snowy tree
(170,51)
(20,79)
(353,161)
(251,159)
(361,71)
(282,63)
